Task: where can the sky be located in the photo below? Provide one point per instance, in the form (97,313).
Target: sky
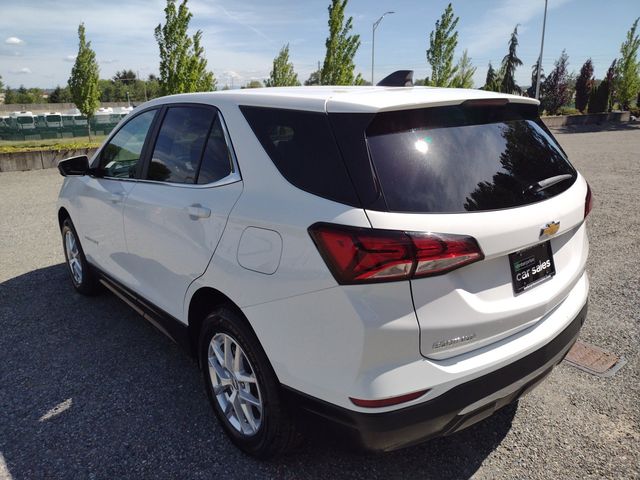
(38,38)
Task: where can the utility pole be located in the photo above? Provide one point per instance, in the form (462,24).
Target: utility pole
(373,41)
(544,24)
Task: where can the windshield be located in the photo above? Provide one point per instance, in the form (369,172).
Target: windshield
(53,118)
(24,120)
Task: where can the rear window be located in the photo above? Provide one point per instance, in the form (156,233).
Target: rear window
(302,147)
(459,159)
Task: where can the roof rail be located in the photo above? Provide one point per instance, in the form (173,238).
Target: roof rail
(399,78)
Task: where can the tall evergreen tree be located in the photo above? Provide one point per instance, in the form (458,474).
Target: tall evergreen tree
(509,64)
(611,85)
(531,91)
(555,91)
(584,83)
(492,81)
(464,72)
(183,67)
(282,74)
(338,67)
(627,83)
(314,78)
(442,43)
(83,83)
(59,95)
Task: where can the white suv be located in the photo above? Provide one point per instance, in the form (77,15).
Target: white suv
(396,262)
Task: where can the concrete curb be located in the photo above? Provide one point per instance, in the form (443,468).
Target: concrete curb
(39,159)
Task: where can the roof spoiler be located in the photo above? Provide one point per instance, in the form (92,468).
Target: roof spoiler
(399,78)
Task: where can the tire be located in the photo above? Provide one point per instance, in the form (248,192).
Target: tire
(82,276)
(259,423)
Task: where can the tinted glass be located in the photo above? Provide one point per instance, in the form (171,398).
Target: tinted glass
(120,156)
(216,161)
(467,167)
(302,147)
(178,149)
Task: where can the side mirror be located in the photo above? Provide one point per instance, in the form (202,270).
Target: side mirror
(74,166)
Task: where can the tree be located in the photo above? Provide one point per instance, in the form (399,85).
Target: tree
(338,67)
(464,73)
(253,84)
(492,81)
(314,78)
(509,64)
(60,95)
(183,68)
(627,83)
(282,74)
(555,91)
(125,77)
(531,91)
(9,96)
(83,83)
(442,43)
(1,84)
(611,84)
(601,92)
(584,83)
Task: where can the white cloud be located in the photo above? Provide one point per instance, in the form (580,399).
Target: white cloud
(495,27)
(21,71)
(14,41)
(108,61)
(70,58)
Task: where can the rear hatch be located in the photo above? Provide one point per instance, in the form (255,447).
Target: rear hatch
(492,171)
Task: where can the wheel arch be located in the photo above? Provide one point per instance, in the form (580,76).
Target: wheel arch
(202,302)
(63,214)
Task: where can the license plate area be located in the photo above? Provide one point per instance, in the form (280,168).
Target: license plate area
(531,266)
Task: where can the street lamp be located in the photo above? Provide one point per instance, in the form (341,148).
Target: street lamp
(373,41)
(544,24)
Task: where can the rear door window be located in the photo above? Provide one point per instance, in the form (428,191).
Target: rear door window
(180,143)
(446,160)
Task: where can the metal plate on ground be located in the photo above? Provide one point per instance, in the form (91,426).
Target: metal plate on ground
(594,360)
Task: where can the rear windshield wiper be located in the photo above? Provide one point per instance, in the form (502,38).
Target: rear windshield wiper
(546,183)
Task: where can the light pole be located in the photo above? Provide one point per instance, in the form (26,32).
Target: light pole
(544,24)
(373,41)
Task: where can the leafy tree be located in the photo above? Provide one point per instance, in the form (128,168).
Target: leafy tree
(531,91)
(584,83)
(492,81)
(126,77)
(611,84)
(509,64)
(253,84)
(1,84)
(183,68)
(555,91)
(442,43)
(600,98)
(60,95)
(83,83)
(282,74)
(338,67)
(314,78)
(627,83)
(464,72)
(9,96)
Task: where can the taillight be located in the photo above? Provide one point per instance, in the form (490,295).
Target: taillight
(386,402)
(366,255)
(588,203)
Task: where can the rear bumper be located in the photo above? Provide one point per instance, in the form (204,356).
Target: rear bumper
(450,412)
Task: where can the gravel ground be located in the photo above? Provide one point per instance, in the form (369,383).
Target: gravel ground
(89,390)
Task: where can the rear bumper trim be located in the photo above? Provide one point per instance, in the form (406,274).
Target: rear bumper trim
(441,415)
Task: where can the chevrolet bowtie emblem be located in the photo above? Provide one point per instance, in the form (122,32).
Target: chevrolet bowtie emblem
(549,229)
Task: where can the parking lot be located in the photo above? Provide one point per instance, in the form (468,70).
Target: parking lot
(90,390)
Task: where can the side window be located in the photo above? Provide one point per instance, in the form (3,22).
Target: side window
(181,140)
(216,161)
(120,156)
(302,147)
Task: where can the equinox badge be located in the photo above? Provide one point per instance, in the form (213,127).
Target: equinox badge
(549,229)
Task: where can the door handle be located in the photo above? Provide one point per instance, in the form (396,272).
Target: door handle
(198,211)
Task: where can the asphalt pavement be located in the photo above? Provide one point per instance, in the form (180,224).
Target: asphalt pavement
(90,390)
